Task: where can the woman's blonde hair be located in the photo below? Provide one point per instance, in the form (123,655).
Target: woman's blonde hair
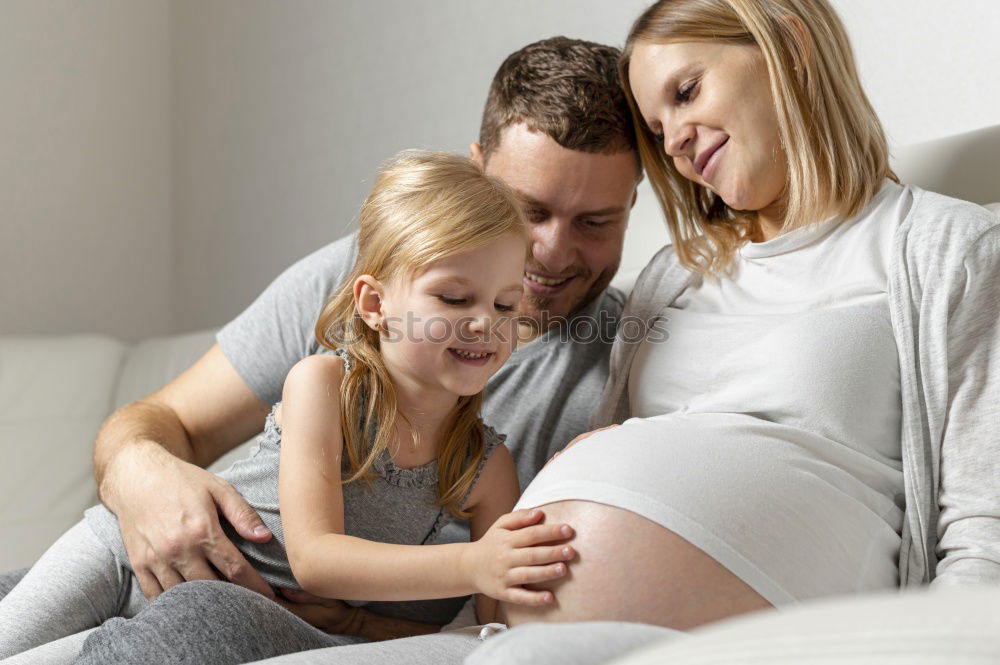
(424,206)
(836,148)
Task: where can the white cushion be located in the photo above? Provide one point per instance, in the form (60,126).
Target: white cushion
(963,166)
(55,392)
(959,626)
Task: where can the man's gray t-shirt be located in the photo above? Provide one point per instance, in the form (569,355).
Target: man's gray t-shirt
(542,397)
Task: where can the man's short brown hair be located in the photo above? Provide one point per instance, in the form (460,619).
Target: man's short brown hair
(568,89)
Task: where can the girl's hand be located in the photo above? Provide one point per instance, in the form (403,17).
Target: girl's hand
(578,440)
(515,551)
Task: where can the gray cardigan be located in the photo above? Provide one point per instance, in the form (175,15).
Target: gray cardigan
(944,299)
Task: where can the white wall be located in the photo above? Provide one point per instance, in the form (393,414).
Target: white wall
(245,133)
(85,222)
(284,110)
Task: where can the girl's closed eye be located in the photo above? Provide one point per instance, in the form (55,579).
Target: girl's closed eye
(450,300)
(504,308)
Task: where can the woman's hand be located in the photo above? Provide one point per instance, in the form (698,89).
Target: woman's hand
(578,440)
(515,551)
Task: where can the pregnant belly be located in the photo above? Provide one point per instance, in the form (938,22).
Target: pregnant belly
(754,496)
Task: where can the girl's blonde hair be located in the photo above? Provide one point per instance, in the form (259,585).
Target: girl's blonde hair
(837,152)
(424,206)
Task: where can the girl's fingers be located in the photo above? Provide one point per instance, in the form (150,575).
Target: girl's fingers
(536,574)
(519,519)
(541,533)
(531,598)
(540,556)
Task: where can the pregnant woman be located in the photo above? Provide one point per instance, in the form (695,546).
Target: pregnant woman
(811,409)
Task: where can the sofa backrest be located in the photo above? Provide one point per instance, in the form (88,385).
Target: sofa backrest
(55,393)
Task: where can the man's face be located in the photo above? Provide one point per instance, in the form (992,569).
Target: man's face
(577,205)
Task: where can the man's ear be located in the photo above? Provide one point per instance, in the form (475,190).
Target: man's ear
(368,293)
(476,155)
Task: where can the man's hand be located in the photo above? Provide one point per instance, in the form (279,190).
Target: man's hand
(339,618)
(170,523)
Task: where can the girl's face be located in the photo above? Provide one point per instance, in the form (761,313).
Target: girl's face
(453,325)
(711,102)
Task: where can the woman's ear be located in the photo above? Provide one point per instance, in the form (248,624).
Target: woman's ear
(368,293)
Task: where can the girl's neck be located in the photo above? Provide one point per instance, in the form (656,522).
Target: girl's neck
(422,414)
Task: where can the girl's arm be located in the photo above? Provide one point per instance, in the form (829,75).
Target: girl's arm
(328,563)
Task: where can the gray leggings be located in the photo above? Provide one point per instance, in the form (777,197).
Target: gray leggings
(76,585)
(218,622)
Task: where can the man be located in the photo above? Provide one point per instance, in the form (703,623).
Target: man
(556,129)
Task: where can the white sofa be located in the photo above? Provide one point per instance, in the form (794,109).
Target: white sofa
(56,390)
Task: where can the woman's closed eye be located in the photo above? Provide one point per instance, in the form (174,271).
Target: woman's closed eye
(685,92)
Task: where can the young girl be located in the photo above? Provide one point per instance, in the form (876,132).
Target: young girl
(380,441)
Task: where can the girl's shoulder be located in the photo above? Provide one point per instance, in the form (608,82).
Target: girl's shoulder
(320,366)
(492,439)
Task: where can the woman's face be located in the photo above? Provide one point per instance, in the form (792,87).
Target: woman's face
(711,103)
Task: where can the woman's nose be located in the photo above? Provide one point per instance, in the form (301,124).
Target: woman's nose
(677,141)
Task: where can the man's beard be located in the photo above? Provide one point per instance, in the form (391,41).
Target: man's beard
(542,318)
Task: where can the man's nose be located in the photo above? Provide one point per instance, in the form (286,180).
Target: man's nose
(553,245)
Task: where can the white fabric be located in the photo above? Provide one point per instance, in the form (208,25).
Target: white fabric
(798,333)
(705,478)
(916,627)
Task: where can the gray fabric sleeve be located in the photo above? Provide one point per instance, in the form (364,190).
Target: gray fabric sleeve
(276,330)
(969,521)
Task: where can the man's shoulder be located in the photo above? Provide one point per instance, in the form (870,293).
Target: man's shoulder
(337,256)
(611,300)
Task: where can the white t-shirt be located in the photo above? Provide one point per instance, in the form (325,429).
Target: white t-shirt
(798,334)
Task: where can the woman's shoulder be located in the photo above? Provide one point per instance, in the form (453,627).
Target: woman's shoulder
(941,224)
(943,242)
(663,274)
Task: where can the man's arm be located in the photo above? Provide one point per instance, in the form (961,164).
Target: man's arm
(148,462)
